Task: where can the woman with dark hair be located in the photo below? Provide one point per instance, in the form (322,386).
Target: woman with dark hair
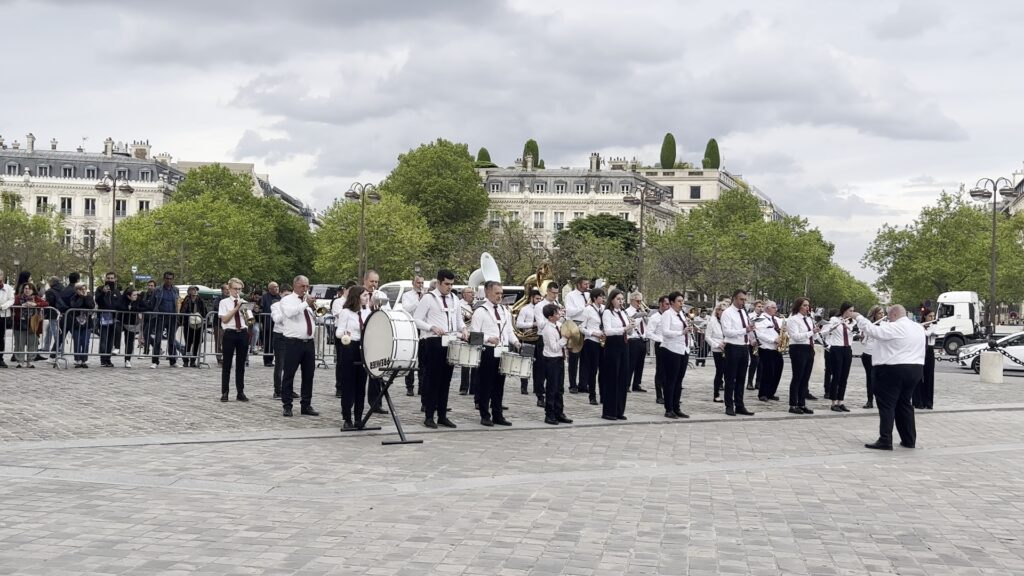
(614,375)
(838,336)
(28,324)
(874,315)
(350,371)
(23,277)
(801,329)
(195,324)
(78,322)
(131,308)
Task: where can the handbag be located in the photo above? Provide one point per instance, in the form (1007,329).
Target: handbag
(195,320)
(35,323)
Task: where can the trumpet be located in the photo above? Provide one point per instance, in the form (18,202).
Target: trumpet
(247,315)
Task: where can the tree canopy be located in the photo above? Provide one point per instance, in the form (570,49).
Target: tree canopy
(668,151)
(600,245)
(712,159)
(213,178)
(531,149)
(34,240)
(483,159)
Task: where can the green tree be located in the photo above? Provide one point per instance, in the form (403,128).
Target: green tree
(712,159)
(34,240)
(483,159)
(511,244)
(397,236)
(600,245)
(668,151)
(602,226)
(531,149)
(440,180)
(213,178)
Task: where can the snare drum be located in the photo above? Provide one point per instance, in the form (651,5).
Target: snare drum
(463,354)
(390,342)
(516,366)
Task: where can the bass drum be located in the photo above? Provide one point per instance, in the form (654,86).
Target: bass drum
(390,343)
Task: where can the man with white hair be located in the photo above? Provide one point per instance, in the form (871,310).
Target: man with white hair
(898,362)
(298,318)
(768,332)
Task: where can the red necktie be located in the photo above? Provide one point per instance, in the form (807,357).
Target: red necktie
(686,335)
(309,323)
(640,325)
(846,335)
(360,316)
(775,324)
(238,317)
(496,315)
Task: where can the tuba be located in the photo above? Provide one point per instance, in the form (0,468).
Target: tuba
(539,280)
(247,315)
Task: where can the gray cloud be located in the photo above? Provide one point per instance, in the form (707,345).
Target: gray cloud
(910,19)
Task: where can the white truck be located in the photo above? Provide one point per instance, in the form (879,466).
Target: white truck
(958,320)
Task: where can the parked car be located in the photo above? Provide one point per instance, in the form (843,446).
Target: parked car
(1012,344)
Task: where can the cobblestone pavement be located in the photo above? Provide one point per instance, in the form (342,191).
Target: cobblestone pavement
(146,472)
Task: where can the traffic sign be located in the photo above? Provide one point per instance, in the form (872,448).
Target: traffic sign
(145,277)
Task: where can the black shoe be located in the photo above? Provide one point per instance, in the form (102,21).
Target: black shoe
(242,397)
(223,397)
(524,391)
(843,408)
(639,389)
(574,390)
(670,414)
(295,395)
(348,425)
(869,406)
(811,397)
(277,395)
(905,445)
(681,414)
(540,402)
(463,391)
(594,402)
(550,420)
(878,446)
(609,418)
(429,423)
(621,418)
(309,412)
(796,410)
(287,412)
(502,422)
(40,358)
(776,398)
(744,412)
(380,411)
(730,412)
(762,398)
(563,419)
(659,400)
(806,410)
(446,422)
(750,386)
(717,399)
(409,392)
(486,422)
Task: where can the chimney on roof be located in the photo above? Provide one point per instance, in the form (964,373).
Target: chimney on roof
(108,147)
(2,145)
(163,158)
(140,150)
(595,162)
(53,144)
(15,145)
(30,142)
(529,162)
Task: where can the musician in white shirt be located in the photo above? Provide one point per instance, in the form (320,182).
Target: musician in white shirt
(676,335)
(801,329)
(439,319)
(614,376)
(550,297)
(298,318)
(378,301)
(768,332)
(235,341)
(839,337)
(279,341)
(349,333)
(737,331)
(525,320)
(874,315)
(495,322)
(637,341)
(755,360)
(590,356)
(898,362)
(924,393)
(575,303)
(716,343)
(410,300)
(468,377)
(654,334)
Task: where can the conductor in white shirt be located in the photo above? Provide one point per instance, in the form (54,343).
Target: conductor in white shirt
(898,361)
(298,317)
(737,330)
(495,322)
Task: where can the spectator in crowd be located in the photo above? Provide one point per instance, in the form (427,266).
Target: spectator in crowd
(108,300)
(194,326)
(273,294)
(131,309)
(165,302)
(64,304)
(6,322)
(52,296)
(78,321)
(23,277)
(28,324)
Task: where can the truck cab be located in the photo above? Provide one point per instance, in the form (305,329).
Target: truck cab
(957,320)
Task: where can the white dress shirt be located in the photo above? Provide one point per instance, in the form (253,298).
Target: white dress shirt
(591,325)
(713,334)
(575,304)
(734,326)
(868,342)
(800,328)
(297,318)
(6,300)
(410,300)
(275,315)
(349,321)
(674,334)
(494,322)
(524,320)
(654,326)
(899,342)
(838,332)
(538,313)
(615,322)
(225,307)
(640,331)
(554,344)
(767,332)
(929,332)
(435,310)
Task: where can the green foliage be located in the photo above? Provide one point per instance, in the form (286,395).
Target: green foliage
(531,149)
(600,245)
(33,240)
(440,180)
(605,226)
(511,245)
(948,248)
(213,178)
(540,164)
(712,159)
(483,155)
(397,235)
(668,151)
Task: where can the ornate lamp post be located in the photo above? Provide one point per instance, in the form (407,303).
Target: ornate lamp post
(982,193)
(362,193)
(108,184)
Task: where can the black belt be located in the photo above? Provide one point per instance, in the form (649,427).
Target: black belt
(310,340)
(234,329)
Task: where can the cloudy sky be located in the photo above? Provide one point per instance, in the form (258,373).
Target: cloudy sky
(849,113)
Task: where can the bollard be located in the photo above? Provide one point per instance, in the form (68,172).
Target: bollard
(991,367)
(818,369)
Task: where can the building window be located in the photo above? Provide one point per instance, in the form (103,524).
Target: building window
(120,208)
(495,187)
(89,239)
(650,173)
(90,172)
(42,204)
(581,188)
(146,176)
(65,240)
(122,173)
(43,170)
(694,192)
(696,173)
(143,206)
(606,188)
(538,220)
(668,173)
(65,206)
(624,216)
(625,188)
(493,218)
(559,220)
(67,171)
(540,187)
(560,188)
(90,206)
(670,191)
(577,215)
(12,168)
(513,187)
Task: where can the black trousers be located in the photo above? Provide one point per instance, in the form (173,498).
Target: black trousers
(129,341)
(353,381)
(107,333)
(466,380)
(659,371)
(894,390)
(924,394)
(574,369)
(236,347)
(736,358)
(438,375)
(339,368)
(590,359)
(279,344)
(158,326)
(374,391)
(614,377)
(410,379)
(841,359)
(769,372)
(490,390)
(554,378)
(755,361)
(675,370)
(193,337)
(719,360)
(865,360)
(828,374)
(298,353)
(3,336)
(637,355)
(801,359)
(539,373)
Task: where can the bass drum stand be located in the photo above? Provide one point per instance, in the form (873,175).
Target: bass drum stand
(385,387)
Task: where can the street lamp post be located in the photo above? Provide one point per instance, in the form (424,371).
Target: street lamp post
(982,193)
(362,193)
(108,184)
(645,196)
